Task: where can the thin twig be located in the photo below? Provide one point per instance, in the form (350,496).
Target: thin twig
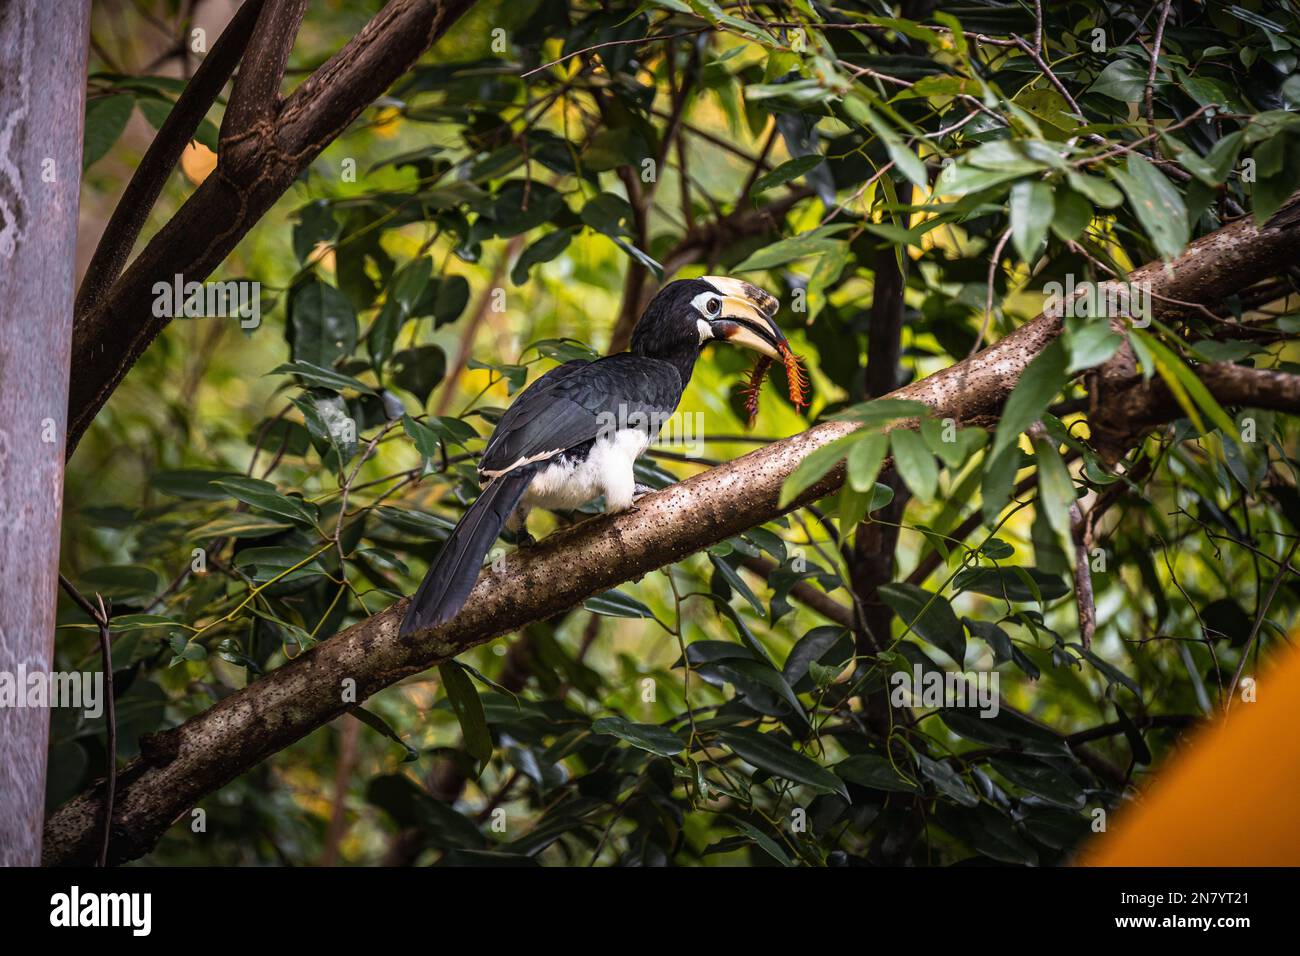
(1081,531)
(861,189)
(1155,58)
(988,299)
(607,43)
(100,616)
(1259,619)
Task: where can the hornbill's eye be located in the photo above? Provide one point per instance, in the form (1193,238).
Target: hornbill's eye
(713,306)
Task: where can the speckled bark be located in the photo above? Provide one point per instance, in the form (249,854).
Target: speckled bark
(181,766)
(42,104)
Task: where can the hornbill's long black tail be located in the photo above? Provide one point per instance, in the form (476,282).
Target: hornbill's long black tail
(452,575)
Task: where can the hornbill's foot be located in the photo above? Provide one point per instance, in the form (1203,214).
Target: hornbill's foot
(640,491)
(524,540)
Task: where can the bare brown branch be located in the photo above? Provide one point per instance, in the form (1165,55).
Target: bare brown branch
(254,169)
(132,210)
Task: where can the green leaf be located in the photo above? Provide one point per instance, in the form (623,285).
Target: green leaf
(322,324)
(565,350)
(409,284)
(193,483)
(425,438)
(404,292)
(120,582)
(959,179)
(1004,649)
(814,243)
(814,467)
(648,737)
(543,250)
(1277,178)
(450,299)
(1073,213)
(736,582)
(1009,584)
(1055,489)
(1012,156)
(265,497)
(1095,188)
(997,481)
(1122,80)
(617,604)
(915,462)
(764,842)
(122,623)
(955,448)
(1184,384)
(1157,204)
(1048,780)
(469,711)
(375,722)
(768,753)
(1007,729)
(947,781)
(1089,342)
(1113,673)
(1032,209)
(322,377)
(881,411)
(241,525)
(1039,383)
(186,650)
(106,117)
(453,431)
(929,615)
(274,563)
(830,646)
(763,674)
(874,771)
(418,523)
(609,214)
(418,370)
(332,428)
(1214,168)
(786,172)
(903,156)
(1141,752)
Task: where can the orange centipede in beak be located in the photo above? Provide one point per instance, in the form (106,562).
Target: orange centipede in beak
(748,318)
(796,379)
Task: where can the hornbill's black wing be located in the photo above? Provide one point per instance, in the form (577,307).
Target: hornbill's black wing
(574,403)
(562,411)
(541,414)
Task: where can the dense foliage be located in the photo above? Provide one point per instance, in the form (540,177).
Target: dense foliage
(248,493)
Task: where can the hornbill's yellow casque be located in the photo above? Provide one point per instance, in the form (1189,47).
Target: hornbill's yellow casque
(573,434)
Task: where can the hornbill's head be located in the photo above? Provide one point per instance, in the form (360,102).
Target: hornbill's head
(689,313)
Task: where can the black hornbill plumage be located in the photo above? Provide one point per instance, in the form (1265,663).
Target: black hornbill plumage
(574,434)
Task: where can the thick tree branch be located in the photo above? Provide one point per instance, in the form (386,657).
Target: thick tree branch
(179,767)
(42,104)
(161,157)
(252,172)
(871,558)
(255,99)
(1145,404)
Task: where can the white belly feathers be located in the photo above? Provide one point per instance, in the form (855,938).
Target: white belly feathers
(606,471)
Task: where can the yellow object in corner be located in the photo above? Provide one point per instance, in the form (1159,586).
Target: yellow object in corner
(1229,798)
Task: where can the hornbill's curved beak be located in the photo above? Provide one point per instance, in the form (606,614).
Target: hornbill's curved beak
(747,317)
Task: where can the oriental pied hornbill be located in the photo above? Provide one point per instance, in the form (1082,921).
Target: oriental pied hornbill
(574,434)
